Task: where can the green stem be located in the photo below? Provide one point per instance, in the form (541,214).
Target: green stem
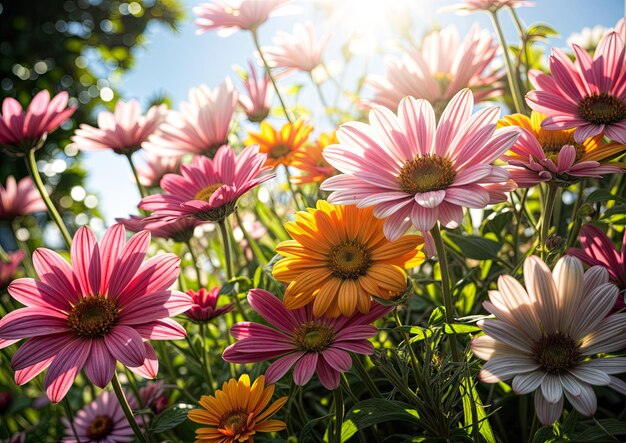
(445,288)
(573,233)
(524,38)
(31,164)
(255,38)
(142,190)
(318,88)
(361,371)
(228,263)
(338,395)
(4,257)
(547,218)
(293,191)
(518,101)
(417,367)
(252,243)
(70,417)
(194,258)
(205,360)
(119,393)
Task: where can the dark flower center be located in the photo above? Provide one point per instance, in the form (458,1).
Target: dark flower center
(205,194)
(279,151)
(553,141)
(93,316)
(556,352)
(235,421)
(313,337)
(100,427)
(602,109)
(349,260)
(427,173)
(210,151)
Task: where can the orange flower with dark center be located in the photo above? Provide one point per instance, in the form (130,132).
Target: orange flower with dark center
(280,145)
(312,165)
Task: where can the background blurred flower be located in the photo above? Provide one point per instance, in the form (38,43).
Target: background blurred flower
(311,163)
(201,126)
(587,38)
(237,412)
(544,334)
(588,95)
(416,172)
(208,189)
(122,131)
(21,131)
(204,307)
(7,270)
(442,67)
(469,6)
(280,146)
(94,313)
(156,167)
(299,51)
(19,198)
(179,230)
(258,101)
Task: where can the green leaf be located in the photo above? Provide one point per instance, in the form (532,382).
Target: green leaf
(371,412)
(307,435)
(171,417)
(460,328)
(473,246)
(601,195)
(437,317)
(608,426)
(544,435)
(473,411)
(541,31)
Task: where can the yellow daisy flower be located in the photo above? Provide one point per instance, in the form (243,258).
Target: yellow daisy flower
(280,146)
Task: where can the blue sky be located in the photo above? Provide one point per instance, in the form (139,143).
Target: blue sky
(173,63)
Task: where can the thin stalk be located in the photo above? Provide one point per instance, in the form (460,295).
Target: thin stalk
(252,243)
(201,361)
(119,393)
(4,257)
(205,359)
(445,288)
(417,368)
(323,101)
(293,191)
(361,371)
(547,218)
(70,417)
(31,164)
(518,101)
(194,258)
(573,233)
(338,395)
(228,263)
(524,38)
(142,190)
(255,38)
(27,262)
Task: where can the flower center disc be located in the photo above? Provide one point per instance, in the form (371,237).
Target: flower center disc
(235,421)
(93,317)
(427,173)
(556,352)
(349,260)
(100,427)
(602,109)
(205,194)
(279,151)
(313,337)
(553,141)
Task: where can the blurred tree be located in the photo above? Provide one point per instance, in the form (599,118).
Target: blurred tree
(80,46)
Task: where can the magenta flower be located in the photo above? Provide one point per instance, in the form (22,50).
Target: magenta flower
(416,172)
(208,189)
(101,421)
(201,126)
(123,131)
(7,270)
(599,250)
(100,310)
(588,95)
(204,307)
(180,230)
(19,198)
(156,167)
(438,71)
(313,344)
(229,16)
(258,101)
(22,131)
(299,51)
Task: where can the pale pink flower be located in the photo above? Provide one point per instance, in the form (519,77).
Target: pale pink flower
(156,167)
(258,101)
(101,421)
(469,6)
(442,67)
(98,311)
(21,131)
(153,396)
(208,189)
(180,230)
(620,28)
(589,95)
(416,172)
(299,51)
(19,198)
(201,126)
(204,307)
(229,16)
(313,344)
(545,336)
(122,131)
(7,270)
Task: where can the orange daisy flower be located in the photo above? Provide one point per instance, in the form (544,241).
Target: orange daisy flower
(280,146)
(339,257)
(235,413)
(312,165)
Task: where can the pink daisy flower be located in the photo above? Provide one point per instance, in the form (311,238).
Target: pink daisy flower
(589,95)
(313,344)
(208,189)
(101,421)
(204,307)
(153,396)
(7,270)
(229,16)
(546,335)
(441,68)
(122,131)
(156,167)
(258,101)
(200,127)
(19,198)
(21,131)
(180,230)
(100,310)
(416,172)
(598,250)
(299,51)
